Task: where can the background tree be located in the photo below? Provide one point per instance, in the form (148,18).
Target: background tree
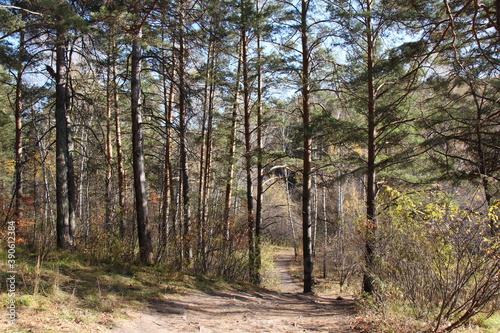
(306,35)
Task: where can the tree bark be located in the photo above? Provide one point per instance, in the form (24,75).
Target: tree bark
(141,198)
(109,147)
(371,223)
(307,156)
(119,151)
(207,167)
(325,231)
(248,148)
(65,233)
(84,210)
(260,177)
(232,148)
(183,158)
(206,153)
(314,186)
(168,96)
(18,189)
(201,207)
(341,231)
(72,192)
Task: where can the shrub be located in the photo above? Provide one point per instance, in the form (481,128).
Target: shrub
(436,260)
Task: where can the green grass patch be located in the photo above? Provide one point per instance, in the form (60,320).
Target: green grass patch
(270,278)
(489,324)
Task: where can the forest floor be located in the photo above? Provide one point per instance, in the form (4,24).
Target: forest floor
(284,310)
(67,293)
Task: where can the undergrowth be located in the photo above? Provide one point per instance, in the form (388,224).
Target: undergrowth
(66,292)
(270,278)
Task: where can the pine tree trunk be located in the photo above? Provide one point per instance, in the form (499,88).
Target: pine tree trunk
(368,282)
(341,232)
(72,193)
(232,148)
(65,236)
(207,166)
(260,177)
(205,153)
(183,158)
(315,214)
(18,189)
(141,198)
(248,156)
(307,156)
(168,95)
(84,210)
(109,149)
(325,231)
(119,151)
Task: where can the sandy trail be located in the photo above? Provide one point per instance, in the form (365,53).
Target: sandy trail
(243,311)
(282,262)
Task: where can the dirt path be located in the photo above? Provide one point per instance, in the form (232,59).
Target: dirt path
(282,262)
(242,311)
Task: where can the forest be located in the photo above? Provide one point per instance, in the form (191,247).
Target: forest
(363,135)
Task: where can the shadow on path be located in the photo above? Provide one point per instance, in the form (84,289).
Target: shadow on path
(246,311)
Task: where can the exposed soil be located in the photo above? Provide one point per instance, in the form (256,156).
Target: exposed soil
(242,311)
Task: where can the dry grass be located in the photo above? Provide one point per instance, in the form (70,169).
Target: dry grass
(70,294)
(394,318)
(386,318)
(76,295)
(270,278)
